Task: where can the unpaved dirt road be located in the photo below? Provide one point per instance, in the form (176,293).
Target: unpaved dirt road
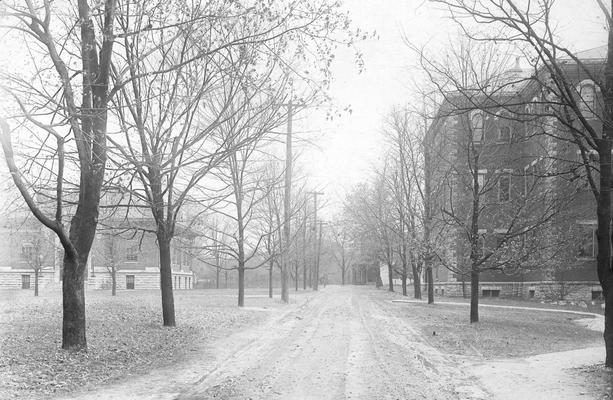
(339,344)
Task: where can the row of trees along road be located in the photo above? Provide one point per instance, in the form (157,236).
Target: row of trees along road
(469,88)
(138,94)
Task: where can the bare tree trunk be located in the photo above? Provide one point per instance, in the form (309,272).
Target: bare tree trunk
(73,304)
(217,277)
(287,205)
(605,273)
(296,265)
(416,278)
(474,295)
(36,271)
(390,278)
(270,268)
(114,281)
(404,269)
(430,282)
(168,302)
(241,283)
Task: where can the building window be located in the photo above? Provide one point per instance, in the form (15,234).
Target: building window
(500,240)
(28,252)
(504,188)
(481,178)
(132,253)
(587,97)
(476,122)
(530,176)
(587,243)
(129,281)
(25,281)
(504,134)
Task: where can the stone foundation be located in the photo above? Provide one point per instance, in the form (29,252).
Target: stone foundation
(14,279)
(544,290)
(146,279)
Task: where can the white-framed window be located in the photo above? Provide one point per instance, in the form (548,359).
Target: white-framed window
(530,176)
(132,253)
(476,124)
(481,174)
(28,252)
(505,131)
(587,98)
(504,187)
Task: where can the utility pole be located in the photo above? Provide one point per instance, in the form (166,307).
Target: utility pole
(286,261)
(321,229)
(304,244)
(217,266)
(315,271)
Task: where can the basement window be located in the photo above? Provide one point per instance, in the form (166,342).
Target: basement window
(490,293)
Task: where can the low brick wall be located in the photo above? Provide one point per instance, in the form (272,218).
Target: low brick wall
(543,290)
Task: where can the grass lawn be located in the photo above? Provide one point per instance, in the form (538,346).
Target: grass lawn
(124,335)
(501,333)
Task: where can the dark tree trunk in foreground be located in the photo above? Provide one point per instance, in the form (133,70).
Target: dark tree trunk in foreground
(474,295)
(168,302)
(430,283)
(605,274)
(404,284)
(73,305)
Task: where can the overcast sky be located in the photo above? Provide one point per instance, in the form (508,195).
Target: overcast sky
(349,146)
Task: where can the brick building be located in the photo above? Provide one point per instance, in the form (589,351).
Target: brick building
(25,244)
(525,165)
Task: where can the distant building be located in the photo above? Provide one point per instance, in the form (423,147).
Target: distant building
(134,255)
(26,246)
(24,242)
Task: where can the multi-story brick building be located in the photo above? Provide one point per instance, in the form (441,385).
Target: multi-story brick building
(26,245)
(521,163)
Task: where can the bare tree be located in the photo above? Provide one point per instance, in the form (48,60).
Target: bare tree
(342,250)
(72,115)
(243,138)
